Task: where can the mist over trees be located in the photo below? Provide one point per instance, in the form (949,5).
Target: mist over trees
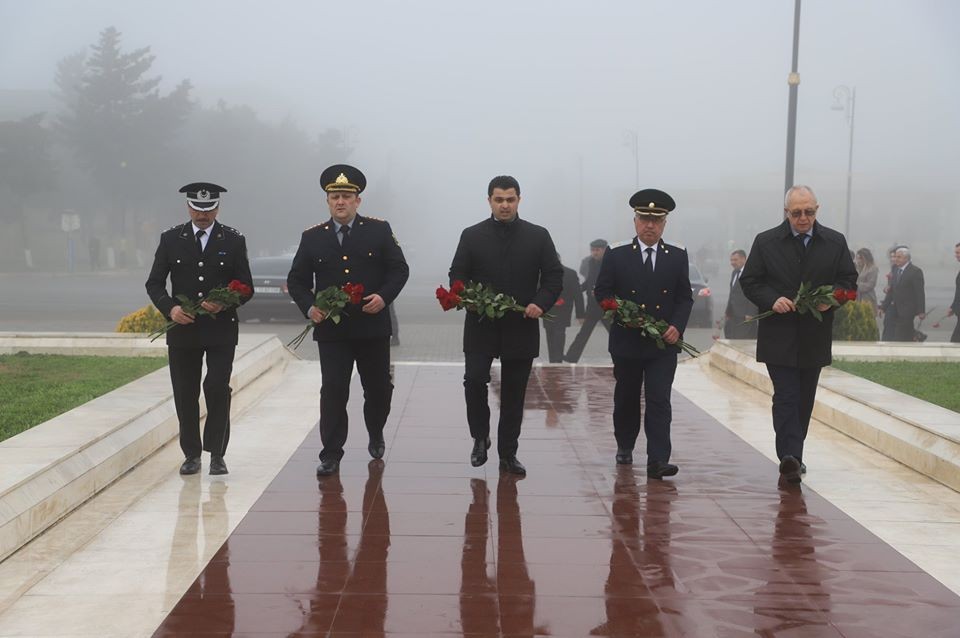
(115,149)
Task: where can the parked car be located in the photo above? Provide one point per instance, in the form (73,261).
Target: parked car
(702,314)
(270,300)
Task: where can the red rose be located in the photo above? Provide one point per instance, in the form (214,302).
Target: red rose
(840,295)
(457,287)
(442,293)
(560,301)
(609,304)
(355,291)
(851,295)
(240,288)
(448,300)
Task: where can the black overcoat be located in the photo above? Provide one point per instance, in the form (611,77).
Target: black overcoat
(572,296)
(738,308)
(194,275)
(517,258)
(372,257)
(906,298)
(667,295)
(776,266)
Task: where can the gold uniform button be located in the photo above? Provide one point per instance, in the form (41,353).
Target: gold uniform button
(200,277)
(346,271)
(178,261)
(370,254)
(200,264)
(199,294)
(221,263)
(633,292)
(658,306)
(664,291)
(345,258)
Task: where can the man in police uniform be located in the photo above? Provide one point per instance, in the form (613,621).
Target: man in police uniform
(199,256)
(350,248)
(656,276)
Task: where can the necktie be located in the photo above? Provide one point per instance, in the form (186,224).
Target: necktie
(344,235)
(648,261)
(896,280)
(200,234)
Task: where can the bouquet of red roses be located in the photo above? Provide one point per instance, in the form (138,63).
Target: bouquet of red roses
(630,315)
(331,301)
(228,296)
(475,297)
(809,297)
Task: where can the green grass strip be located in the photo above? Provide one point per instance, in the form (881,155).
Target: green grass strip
(936,381)
(37,387)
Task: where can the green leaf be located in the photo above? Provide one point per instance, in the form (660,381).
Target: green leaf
(335,318)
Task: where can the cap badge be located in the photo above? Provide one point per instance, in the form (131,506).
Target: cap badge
(341,179)
(203,195)
(652,205)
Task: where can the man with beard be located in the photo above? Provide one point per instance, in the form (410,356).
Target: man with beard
(795,346)
(516,258)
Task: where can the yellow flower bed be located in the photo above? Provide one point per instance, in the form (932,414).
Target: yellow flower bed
(146,320)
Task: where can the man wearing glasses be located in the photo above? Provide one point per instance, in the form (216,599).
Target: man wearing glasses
(795,347)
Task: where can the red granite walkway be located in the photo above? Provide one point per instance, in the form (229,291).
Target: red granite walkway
(424,544)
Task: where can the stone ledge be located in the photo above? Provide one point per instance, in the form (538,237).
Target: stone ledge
(922,436)
(55,466)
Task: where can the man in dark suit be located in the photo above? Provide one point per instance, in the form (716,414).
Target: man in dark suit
(905,300)
(739,308)
(349,248)
(519,259)
(955,306)
(795,346)
(656,276)
(570,300)
(589,269)
(199,256)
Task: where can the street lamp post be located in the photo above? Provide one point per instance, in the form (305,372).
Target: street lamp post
(631,139)
(793,80)
(845,99)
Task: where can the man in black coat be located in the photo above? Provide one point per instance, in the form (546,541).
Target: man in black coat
(656,276)
(570,300)
(199,256)
(905,299)
(955,305)
(519,259)
(589,268)
(795,346)
(349,248)
(739,307)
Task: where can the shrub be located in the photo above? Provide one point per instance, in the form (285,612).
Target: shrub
(855,321)
(147,319)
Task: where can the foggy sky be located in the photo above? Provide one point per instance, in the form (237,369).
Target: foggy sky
(438,96)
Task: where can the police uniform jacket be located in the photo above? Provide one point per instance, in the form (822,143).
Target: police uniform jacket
(666,295)
(194,275)
(372,258)
(516,258)
(775,268)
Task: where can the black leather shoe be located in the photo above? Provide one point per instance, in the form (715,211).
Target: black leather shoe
(217,465)
(624,456)
(479,455)
(659,469)
(190,466)
(376,448)
(512,465)
(790,469)
(328,467)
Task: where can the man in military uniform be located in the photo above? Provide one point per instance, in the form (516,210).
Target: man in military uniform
(589,268)
(656,276)
(519,259)
(350,248)
(199,256)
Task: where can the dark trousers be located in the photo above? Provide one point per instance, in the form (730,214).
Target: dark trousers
(556,338)
(955,337)
(514,374)
(372,357)
(889,326)
(655,376)
(186,369)
(593,315)
(794,391)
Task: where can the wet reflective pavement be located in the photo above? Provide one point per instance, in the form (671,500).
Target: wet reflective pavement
(421,543)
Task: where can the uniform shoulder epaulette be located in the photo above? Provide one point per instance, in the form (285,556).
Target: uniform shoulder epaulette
(176,227)
(323,225)
(232,230)
(620,244)
(675,245)
(375,219)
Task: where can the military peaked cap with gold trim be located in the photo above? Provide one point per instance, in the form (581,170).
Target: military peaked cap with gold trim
(343,178)
(652,202)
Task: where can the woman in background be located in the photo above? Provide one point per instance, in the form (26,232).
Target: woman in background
(867,277)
